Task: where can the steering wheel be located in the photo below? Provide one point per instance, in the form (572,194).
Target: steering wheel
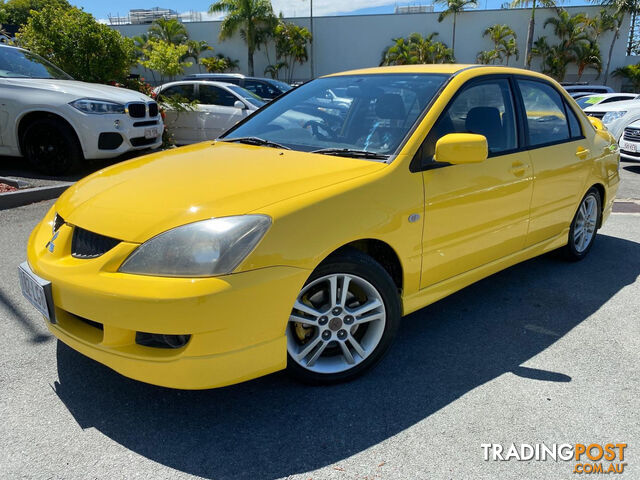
(315,130)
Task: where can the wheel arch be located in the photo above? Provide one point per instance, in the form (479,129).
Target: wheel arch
(602,191)
(381,252)
(29,117)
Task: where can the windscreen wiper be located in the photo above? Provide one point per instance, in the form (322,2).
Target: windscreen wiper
(255,141)
(350,152)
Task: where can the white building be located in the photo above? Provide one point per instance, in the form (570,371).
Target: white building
(357,41)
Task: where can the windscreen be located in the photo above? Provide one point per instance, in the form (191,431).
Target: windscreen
(370,113)
(16,63)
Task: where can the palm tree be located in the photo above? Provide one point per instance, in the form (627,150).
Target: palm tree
(487,57)
(587,55)
(532,21)
(504,41)
(510,49)
(168,30)
(400,53)
(196,49)
(570,29)
(631,73)
(251,18)
(454,7)
(618,8)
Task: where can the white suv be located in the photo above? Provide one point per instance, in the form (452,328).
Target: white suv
(56,122)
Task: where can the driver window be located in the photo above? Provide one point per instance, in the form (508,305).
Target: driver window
(484,108)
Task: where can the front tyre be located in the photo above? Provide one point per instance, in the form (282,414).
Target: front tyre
(343,321)
(52,147)
(584,227)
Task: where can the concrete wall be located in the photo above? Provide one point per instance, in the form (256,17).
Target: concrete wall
(347,42)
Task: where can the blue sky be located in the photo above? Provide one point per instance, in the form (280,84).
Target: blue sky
(101,9)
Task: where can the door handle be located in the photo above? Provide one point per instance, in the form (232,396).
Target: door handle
(581,152)
(517,168)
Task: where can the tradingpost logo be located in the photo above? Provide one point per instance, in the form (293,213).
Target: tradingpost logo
(588,458)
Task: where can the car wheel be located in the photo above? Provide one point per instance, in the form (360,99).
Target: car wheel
(51,147)
(343,321)
(584,226)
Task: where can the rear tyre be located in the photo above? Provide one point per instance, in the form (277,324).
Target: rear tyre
(343,321)
(51,147)
(584,226)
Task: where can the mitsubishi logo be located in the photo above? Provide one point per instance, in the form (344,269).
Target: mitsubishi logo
(50,244)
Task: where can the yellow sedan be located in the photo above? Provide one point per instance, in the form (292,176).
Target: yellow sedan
(300,237)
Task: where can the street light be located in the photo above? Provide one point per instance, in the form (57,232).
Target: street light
(312,39)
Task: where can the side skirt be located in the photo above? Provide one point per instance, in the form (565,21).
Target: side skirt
(435,292)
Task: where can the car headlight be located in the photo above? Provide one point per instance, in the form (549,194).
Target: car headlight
(88,105)
(201,249)
(612,116)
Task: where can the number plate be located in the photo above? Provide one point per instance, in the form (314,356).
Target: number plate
(37,290)
(151,132)
(629,147)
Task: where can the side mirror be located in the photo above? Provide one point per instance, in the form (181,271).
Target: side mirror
(597,123)
(461,148)
(239,104)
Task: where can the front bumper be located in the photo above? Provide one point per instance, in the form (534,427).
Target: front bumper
(132,130)
(237,322)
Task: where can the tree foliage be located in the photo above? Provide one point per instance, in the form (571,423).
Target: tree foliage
(631,73)
(165,58)
(17,12)
(416,49)
(73,40)
(219,64)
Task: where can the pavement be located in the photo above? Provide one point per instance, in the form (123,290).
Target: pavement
(543,352)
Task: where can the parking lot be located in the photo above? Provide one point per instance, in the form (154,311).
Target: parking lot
(544,352)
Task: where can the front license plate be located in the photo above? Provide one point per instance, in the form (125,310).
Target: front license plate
(151,132)
(37,290)
(629,147)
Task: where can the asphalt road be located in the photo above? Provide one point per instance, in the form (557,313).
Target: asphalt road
(544,352)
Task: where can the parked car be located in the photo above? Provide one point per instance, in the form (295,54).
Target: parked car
(585,88)
(220,106)
(593,99)
(616,116)
(57,122)
(630,142)
(265,88)
(302,247)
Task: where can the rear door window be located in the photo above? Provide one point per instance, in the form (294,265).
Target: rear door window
(545,112)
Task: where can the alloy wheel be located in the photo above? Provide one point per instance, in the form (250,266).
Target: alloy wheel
(337,321)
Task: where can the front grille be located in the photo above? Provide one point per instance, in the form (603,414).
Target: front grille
(598,115)
(86,244)
(137,110)
(632,134)
(153,109)
(141,141)
(630,154)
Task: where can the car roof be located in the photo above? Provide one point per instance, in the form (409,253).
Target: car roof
(445,68)
(203,75)
(195,80)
